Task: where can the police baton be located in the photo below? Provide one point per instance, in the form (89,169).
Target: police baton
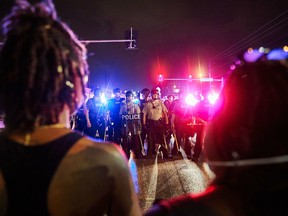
(106,128)
(176,141)
(142,146)
(165,143)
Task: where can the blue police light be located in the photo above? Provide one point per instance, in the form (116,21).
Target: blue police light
(103,99)
(253,55)
(277,54)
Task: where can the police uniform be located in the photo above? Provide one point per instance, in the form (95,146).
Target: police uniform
(97,112)
(80,122)
(131,128)
(114,118)
(155,119)
(169,105)
(144,100)
(202,114)
(182,118)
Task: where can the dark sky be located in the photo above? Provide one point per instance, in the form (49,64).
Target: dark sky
(175,37)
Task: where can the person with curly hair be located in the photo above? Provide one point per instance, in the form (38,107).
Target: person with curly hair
(45,167)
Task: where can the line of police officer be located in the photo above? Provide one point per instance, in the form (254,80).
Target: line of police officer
(130,125)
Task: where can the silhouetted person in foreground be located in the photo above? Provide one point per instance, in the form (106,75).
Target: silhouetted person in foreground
(246,147)
(45,167)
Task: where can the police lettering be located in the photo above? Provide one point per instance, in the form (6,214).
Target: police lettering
(131,117)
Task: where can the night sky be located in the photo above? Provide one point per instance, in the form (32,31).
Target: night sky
(175,37)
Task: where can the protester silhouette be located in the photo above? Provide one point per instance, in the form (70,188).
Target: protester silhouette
(245,145)
(45,167)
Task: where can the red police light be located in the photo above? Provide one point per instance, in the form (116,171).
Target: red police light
(160,78)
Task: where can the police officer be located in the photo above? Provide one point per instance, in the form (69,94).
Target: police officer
(156,120)
(131,126)
(114,118)
(168,102)
(79,119)
(144,98)
(181,120)
(202,115)
(96,115)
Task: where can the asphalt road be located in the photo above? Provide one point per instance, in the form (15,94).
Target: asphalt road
(162,179)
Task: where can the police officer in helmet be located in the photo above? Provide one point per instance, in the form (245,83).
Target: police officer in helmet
(131,126)
(96,115)
(156,120)
(114,104)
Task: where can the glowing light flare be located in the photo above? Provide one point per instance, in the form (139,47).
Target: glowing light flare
(200,70)
(103,99)
(159,67)
(212,97)
(252,55)
(285,48)
(191,100)
(277,54)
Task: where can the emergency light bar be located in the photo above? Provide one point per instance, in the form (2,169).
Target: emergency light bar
(204,79)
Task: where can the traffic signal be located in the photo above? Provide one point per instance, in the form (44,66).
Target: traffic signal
(131,35)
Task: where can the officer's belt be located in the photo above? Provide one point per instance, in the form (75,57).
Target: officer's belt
(151,121)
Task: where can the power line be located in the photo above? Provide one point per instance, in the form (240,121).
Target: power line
(255,39)
(236,45)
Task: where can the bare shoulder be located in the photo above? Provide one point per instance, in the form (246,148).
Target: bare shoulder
(98,172)
(87,153)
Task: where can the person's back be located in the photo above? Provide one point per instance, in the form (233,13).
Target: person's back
(245,145)
(91,179)
(45,167)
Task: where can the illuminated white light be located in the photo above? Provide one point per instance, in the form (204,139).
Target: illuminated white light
(176,90)
(250,50)
(160,78)
(191,100)
(103,99)
(261,50)
(212,97)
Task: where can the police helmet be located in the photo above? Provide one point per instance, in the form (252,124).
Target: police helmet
(155,91)
(170,95)
(97,91)
(129,93)
(116,90)
(145,91)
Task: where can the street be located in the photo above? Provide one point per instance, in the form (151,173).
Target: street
(162,179)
